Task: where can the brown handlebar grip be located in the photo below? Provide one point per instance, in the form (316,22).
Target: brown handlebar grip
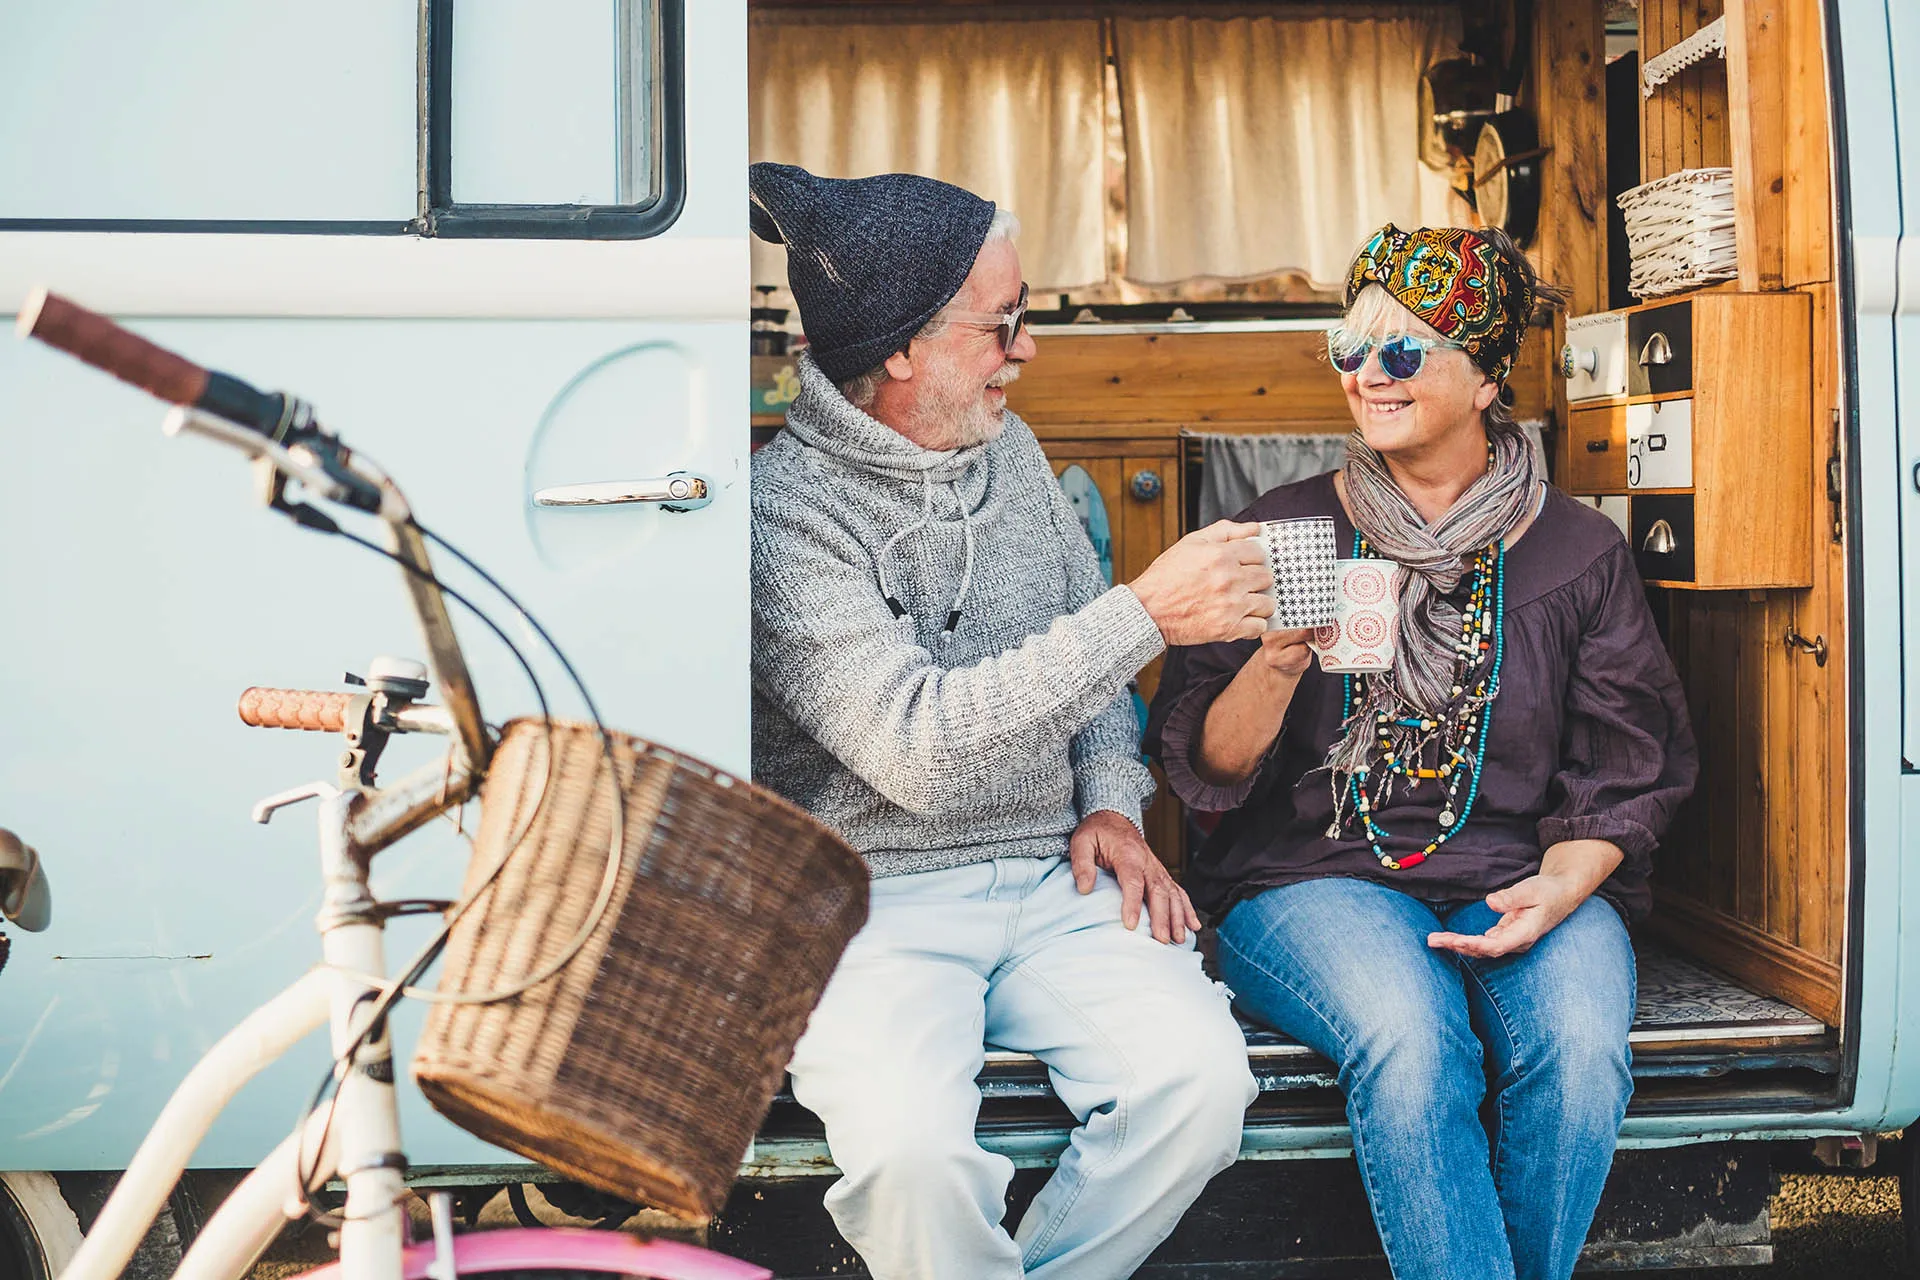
(295,709)
(105,345)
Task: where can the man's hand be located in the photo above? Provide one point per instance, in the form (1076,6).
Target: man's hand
(1211,585)
(1569,873)
(1105,839)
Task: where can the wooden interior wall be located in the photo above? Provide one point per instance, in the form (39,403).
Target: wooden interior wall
(1685,124)
(1115,386)
(1570,100)
(1754,876)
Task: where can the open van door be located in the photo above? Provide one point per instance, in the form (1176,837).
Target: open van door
(501,248)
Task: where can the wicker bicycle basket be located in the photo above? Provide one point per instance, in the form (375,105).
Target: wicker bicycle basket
(645,1064)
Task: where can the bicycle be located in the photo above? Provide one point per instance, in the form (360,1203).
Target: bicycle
(355,1135)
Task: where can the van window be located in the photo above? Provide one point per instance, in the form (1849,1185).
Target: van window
(222,112)
(557,120)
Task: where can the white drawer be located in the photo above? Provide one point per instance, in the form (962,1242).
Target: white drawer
(1594,361)
(1660,445)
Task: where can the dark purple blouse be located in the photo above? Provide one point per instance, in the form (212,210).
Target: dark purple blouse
(1589,737)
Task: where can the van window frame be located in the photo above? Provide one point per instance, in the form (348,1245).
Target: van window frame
(666,114)
(439,216)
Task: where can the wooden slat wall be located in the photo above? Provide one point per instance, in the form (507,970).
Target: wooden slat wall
(1569,68)
(1776,55)
(1758,64)
(1684,125)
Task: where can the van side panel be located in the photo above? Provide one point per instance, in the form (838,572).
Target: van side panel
(143,588)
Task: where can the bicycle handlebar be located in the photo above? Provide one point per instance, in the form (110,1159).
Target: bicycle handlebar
(324,711)
(313,709)
(126,355)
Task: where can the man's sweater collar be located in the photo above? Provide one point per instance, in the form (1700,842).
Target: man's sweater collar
(823,418)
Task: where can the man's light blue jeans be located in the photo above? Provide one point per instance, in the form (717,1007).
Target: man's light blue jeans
(1485,1095)
(1140,1045)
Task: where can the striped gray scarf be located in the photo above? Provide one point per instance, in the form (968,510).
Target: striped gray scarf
(1433,558)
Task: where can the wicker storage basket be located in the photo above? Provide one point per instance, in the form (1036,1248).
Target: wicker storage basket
(644,1066)
(1680,232)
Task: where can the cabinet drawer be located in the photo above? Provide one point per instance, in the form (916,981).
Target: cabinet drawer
(1663,537)
(1660,350)
(1594,360)
(1660,445)
(1597,450)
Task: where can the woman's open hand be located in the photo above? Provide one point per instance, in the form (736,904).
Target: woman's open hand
(1527,911)
(1569,873)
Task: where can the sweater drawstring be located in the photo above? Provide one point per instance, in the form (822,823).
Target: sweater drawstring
(966,571)
(880,559)
(926,518)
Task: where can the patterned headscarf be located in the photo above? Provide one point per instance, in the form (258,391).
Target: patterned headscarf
(1456,281)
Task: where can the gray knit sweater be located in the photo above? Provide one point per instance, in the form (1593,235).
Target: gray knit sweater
(925,750)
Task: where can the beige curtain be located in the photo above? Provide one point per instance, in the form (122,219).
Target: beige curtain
(1011,110)
(1263,144)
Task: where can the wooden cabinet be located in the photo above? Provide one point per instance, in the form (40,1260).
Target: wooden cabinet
(1597,451)
(1139,484)
(1711,442)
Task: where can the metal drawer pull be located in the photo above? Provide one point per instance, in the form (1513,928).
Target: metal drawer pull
(1597,446)
(679,491)
(1816,646)
(1657,350)
(1660,540)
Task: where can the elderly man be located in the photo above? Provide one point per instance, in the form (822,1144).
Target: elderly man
(940,672)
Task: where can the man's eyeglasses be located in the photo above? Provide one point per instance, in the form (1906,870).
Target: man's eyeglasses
(1008,323)
(1401,356)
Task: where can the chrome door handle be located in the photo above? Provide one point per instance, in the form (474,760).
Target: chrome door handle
(677,491)
(1656,350)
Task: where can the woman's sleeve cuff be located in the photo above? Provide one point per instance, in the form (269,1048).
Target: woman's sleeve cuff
(1635,840)
(1181,737)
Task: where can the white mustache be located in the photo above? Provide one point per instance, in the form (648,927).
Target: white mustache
(1008,373)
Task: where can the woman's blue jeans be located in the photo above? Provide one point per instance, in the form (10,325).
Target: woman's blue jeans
(1485,1095)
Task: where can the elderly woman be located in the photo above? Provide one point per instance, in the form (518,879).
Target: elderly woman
(1426,873)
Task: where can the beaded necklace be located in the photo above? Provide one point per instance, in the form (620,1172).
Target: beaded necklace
(1461,737)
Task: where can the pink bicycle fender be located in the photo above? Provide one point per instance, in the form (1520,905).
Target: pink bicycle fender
(571,1249)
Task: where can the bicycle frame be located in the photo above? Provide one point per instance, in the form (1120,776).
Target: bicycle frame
(358,1135)
(358,1138)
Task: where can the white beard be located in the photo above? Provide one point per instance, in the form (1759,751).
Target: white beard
(958,411)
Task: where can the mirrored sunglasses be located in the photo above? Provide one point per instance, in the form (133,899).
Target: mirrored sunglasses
(1402,356)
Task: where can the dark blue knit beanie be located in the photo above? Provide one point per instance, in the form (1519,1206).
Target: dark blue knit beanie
(870,260)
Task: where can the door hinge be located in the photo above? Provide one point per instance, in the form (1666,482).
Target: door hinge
(1836,495)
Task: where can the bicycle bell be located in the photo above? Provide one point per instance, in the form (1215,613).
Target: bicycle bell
(400,678)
